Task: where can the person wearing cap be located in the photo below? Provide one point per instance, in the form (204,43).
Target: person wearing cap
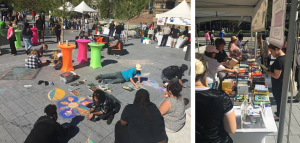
(173,74)
(122,76)
(234,51)
(214,66)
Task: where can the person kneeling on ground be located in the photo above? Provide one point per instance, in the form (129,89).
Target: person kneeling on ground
(173,74)
(33,61)
(42,50)
(46,129)
(120,77)
(113,45)
(172,109)
(103,107)
(141,122)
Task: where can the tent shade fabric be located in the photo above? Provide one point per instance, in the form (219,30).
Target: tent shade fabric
(258,22)
(3,5)
(83,7)
(68,7)
(182,10)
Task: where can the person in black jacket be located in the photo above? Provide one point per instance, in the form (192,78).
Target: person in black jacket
(57,29)
(46,129)
(173,74)
(103,107)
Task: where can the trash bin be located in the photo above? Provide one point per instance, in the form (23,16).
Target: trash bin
(188,53)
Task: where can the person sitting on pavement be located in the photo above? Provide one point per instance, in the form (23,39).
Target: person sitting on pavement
(122,76)
(103,107)
(113,45)
(33,60)
(42,49)
(46,129)
(173,74)
(172,109)
(141,122)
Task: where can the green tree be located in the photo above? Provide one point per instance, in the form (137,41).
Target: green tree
(129,9)
(105,7)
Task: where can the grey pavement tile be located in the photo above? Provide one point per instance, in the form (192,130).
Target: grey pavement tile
(31,117)
(108,139)
(6,113)
(270,139)
(13,129)
(112,134)
(14,92)
(2,120)
(80,138)
(2,100)
(35,104)
(24,124)
(13,107)
(7,96)
(5,137)
(24,105)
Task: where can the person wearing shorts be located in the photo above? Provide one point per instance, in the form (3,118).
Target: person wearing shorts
(40,25)
(175,35)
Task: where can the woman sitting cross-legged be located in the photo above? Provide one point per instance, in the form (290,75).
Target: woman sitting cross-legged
(172,109)
(141,122)
(113,45)
(33,61)
(215,116)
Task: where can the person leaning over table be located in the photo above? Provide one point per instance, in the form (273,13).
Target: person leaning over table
(222,58)
(214,66)
(141,122)
(215,117)
(276,72)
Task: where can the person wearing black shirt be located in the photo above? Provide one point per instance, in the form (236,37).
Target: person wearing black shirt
(186,31)
(111,29)
(175,35)
(173,74)
(276,73)
(141,122)
(103,107)
(57,29)
(119,29)
(40,25)
(215,117)
(173,27)
(46,129)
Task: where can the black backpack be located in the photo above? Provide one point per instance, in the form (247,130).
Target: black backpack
(169,71)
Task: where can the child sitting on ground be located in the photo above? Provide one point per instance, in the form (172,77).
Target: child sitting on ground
(33,61)
(42,50)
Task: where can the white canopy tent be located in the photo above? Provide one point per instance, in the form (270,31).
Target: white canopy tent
(68,7)
(182,10)
(83,7)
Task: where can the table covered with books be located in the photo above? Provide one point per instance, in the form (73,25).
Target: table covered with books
(250,96)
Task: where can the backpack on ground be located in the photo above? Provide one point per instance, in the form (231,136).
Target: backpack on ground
(169,71)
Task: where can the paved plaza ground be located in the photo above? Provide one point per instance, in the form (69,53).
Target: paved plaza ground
(20,107)
(295,118)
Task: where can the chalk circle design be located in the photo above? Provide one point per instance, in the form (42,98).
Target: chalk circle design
(71,106)
(56,94)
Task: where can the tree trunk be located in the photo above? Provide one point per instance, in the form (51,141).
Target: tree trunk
(62,31)
(127,29)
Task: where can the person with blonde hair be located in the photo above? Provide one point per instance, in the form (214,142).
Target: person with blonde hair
(215,117)
(11,37)
(33,62)
(234,50)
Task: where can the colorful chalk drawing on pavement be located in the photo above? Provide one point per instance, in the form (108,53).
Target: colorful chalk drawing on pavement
(154,84)
(56,94)
(43,60)
(21,73)
(142,62)
(72,106)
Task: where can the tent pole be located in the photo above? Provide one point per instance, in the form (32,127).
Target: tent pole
(197,40)
(251,40)
(287,67)
(255,45)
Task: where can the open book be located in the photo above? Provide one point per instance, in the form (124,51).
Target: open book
(232,62)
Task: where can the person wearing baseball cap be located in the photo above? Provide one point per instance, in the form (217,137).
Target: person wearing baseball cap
(122,76)
(214,66)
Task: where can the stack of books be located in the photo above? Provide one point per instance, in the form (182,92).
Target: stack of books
(256,74)
(261,98)
(258,81)
(227,85)
(261,89)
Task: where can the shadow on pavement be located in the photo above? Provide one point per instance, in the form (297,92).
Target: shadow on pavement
(107,62)
(75,131)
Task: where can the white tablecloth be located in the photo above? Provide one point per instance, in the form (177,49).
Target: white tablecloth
(106,31)
(180,42)
(159,39)
(258,135)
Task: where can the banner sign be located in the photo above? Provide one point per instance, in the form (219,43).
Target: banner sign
(179,21)
(161,21)
(278,23)
(258,21)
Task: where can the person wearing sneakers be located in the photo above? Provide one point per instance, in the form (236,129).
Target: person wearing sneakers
(122,76)
(173,74)
(103,107)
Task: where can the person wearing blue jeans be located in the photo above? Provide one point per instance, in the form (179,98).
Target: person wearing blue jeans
(123,76)
(27,34)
